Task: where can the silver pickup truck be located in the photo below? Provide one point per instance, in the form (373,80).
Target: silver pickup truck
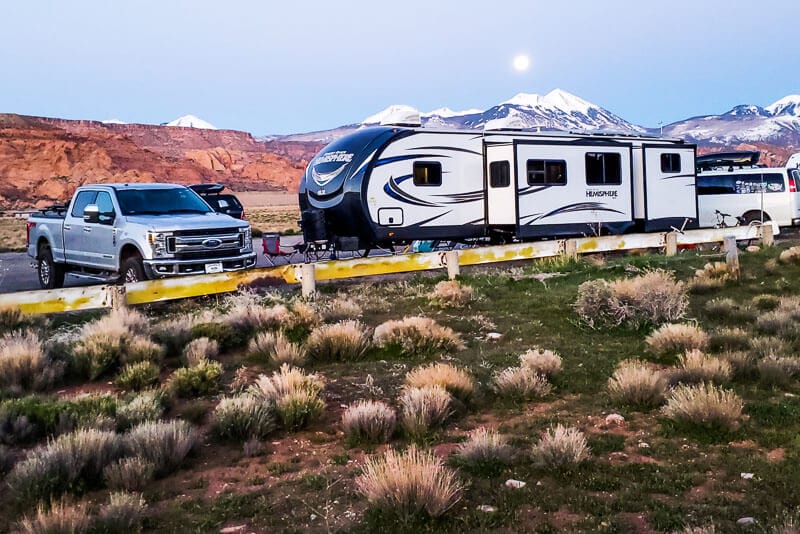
(133,232)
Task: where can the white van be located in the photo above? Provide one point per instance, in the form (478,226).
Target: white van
(732,189)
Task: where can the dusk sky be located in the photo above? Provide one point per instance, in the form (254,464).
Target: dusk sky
(298,66)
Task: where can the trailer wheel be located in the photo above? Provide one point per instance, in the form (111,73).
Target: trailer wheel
(51,274)
(754,216)
(132,270)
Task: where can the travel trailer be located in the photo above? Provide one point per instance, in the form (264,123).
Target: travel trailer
(392,184)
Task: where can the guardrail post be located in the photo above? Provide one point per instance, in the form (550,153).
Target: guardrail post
(732,256)
(671,240)
(766,235)
(117,296)
(571,249)
(308,280)
(451,261)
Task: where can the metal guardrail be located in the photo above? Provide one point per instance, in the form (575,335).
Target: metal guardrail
(93,297)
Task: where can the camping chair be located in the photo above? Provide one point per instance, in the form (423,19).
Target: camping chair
(273,251)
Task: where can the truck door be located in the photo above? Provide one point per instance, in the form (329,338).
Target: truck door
(100,236)
(501,185)
(74,235)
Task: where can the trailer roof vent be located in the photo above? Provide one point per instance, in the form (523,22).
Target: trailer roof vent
(509,122)
(402,116)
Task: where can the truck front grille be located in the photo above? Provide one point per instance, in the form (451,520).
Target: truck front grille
(205,244)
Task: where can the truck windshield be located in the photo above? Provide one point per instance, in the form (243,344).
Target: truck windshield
(160,201)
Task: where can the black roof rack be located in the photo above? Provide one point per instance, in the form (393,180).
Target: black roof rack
(207,189)
(742,158)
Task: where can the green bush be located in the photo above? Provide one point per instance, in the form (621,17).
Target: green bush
(147,406)
(223,333)
(243,418)
(164,444)
(138,376)
(196,381)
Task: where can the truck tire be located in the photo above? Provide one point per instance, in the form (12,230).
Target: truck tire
(51,274)
(132,270)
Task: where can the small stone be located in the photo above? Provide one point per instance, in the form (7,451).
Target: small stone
(233,530)
(515,484)
(313,516)
(494,335)
(614,419)
(747,476)
(746,521)
(753,248)
(643,445)
(487,508)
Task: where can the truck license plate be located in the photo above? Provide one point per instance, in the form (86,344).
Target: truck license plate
(214,267)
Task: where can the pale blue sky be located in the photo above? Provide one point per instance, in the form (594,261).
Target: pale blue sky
(296,66)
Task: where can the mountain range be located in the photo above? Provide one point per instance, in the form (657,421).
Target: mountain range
(44,159)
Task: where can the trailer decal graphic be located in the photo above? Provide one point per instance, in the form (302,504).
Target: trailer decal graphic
(531,190)
(572,208)
(395,159)
(460,198)
(450,148)
(393,190)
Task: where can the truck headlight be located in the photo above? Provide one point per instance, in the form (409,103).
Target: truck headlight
(158,242)
(247,238)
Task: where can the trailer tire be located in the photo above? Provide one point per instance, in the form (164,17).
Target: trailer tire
(132,270)
(50,273)
(754,216)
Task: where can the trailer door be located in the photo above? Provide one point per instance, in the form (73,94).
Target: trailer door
(669,187)
(501,185)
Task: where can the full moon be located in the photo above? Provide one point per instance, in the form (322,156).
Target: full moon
(521,63)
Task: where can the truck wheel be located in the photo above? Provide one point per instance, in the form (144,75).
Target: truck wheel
(132,270)
(51,274)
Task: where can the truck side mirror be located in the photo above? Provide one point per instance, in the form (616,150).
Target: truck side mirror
(91,213)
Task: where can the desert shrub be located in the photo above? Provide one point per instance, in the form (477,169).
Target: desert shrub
(520,382)
(727,308)
(294,394)
(764,347)
(12,319)
(24,365)
(694,366)
(138,376)
(485,450)
(674,338)
(6,460)
(653,298)
(196,381)
(344,341)
(59,518)
(227,337)
(242,418)
(742,362)
(790,255)
(704,405)
(262,346)
(284,351)
(417,336)
(71,462)
(541,361)
(729,339)
(780,322)
(451,293)
(174,334)
(456,381)
(634,383)
(141,349)
(124,512)
(304,318)
(340,309)
(368,421)
(424,410)
(109,340)
(766,302)
(409,483)
(778,371)
(711,277)
(164,444)
(199,349)
(130,474)
(146,406)
(560,446)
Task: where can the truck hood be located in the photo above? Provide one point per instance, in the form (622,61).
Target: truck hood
(185,221)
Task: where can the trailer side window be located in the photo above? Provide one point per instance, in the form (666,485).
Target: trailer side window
(547,172)
(499,174)
(427,173)
(603,168)
(670,163)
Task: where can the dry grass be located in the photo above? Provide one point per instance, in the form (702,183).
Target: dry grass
(118,337)
(451,293)
(343,341)
(294,394)
(541,361)
(560,446)
(200,379)
(485,447)
(675,338)
(409,483)
(164,444)
(781,322)
(424,410)
(340,308)
(520,382)
(711,277)
(277,349)
(458,382)
(765,347)
(198,350)
(765,302)
(23,364)
(778,370)
(124,512)
(242,418)
(654,298)
(368,422)
(727,308)
(59,518)
(146,406)
(137,376)
(129,474)
(704,405)
(417,336)
(694,366)
(13,235)
(729,339)
(634,383)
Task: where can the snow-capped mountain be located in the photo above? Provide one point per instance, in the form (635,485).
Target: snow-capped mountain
(190,121)
(777,123)
(557,110)
(113,121)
